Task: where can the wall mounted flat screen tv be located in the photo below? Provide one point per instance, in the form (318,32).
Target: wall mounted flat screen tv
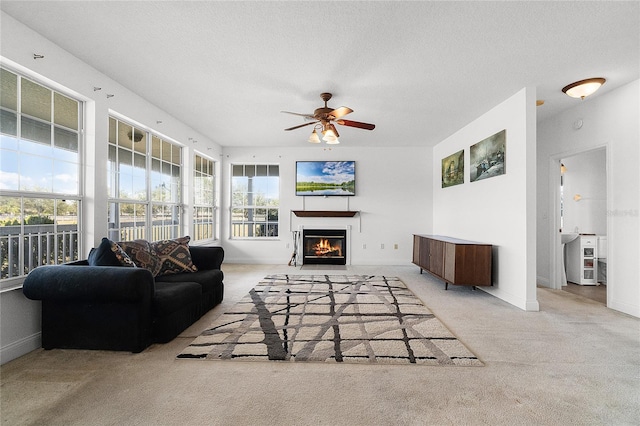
(326,178)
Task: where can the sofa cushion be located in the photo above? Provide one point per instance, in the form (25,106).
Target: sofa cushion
(142,255)
(207,257)
(174,256)
(108,253)
(210,280)
(171,297)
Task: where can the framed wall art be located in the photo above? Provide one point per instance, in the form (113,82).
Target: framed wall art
(453,169)
(488,158)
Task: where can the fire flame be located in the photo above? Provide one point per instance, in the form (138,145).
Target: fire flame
(324,247)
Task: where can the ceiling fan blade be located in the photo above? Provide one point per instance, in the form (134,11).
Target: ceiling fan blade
(357,124)
(302,125)
(307,116)
(340,112)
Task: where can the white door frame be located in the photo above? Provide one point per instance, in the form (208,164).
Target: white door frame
(555,279)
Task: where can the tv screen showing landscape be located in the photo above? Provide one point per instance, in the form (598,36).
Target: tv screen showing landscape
(326,178)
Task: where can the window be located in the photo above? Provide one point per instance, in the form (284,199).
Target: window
(144,184)
(40,140)
(255,192)
(204,199)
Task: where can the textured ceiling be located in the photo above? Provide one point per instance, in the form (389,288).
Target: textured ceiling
(418,70)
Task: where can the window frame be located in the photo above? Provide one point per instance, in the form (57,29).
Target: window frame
(214,206)
(115,200)
(253,207)
(78,162)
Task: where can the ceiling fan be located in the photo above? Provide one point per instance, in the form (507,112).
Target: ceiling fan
(323,119)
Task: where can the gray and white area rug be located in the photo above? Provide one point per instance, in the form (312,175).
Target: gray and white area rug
(331,318)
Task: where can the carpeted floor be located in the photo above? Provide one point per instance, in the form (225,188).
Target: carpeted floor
(575,362)
(331,318)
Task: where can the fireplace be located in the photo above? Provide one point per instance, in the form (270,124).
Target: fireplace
(324,247)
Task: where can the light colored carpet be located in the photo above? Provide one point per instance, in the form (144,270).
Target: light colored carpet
(330,318)
(575,362)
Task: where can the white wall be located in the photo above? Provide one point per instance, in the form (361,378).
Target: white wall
(586,176)
(498,210)
(19,317)
(610,120)
(393,196)
(19,325)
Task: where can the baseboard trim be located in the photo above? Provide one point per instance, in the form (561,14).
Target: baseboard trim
(21,347)
(625,308)
(524,304)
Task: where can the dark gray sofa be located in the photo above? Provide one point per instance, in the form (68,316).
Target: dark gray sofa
(123,308)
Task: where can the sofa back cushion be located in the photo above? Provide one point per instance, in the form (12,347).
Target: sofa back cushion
(108,253)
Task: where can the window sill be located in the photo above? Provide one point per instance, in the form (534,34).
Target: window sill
(255,238)
(11,285)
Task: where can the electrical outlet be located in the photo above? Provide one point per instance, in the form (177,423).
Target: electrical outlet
(364,246)
(395,247)
(287,245)
(382,246)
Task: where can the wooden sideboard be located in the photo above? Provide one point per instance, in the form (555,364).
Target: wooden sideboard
(455,261)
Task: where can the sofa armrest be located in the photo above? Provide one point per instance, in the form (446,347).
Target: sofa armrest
(89,283)
(205,257)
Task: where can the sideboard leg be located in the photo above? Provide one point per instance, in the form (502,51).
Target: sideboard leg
(446,285)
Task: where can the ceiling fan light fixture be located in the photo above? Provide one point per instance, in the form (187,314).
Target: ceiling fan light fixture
(323,119)
(330,133)
(583,88)
(329,136)
(314,138)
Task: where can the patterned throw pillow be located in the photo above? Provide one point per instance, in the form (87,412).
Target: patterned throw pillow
(142,255)
(174,255)
(121,255)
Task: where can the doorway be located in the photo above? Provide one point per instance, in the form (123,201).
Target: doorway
(581,202)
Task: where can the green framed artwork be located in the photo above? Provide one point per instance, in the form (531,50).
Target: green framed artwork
(453,169)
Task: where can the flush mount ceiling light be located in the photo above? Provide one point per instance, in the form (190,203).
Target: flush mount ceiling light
(583,88)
